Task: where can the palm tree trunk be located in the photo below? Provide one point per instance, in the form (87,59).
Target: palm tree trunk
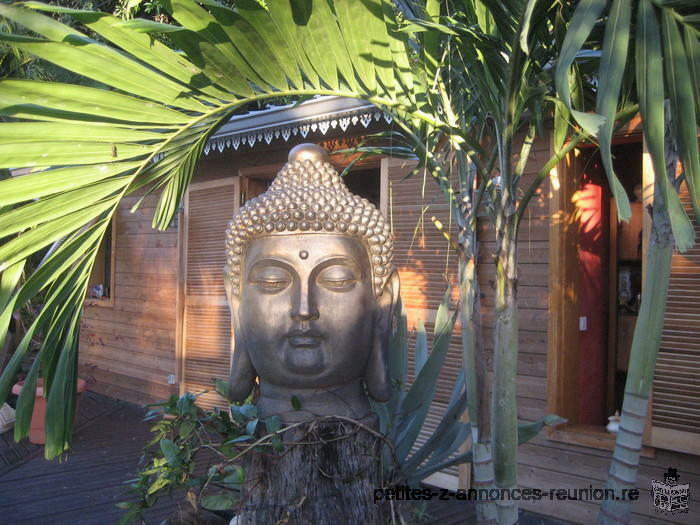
(473,358)
(645,342)
(642,362)
(504,417)
(474,363)
(325,475)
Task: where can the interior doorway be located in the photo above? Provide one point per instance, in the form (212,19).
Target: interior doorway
(625,273)
(609,259)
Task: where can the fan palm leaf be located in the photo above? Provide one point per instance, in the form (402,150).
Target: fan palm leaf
(145,123)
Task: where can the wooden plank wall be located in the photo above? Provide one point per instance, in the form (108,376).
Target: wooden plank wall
(426,269)
(129,347)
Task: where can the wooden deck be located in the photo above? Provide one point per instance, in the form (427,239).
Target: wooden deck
(13,454)
(83,489)
(110,436)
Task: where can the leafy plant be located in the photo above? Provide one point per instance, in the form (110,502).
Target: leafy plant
(492,81)
(403,416)
(146,126)
(197,452)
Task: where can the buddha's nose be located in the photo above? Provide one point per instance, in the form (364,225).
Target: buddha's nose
(304,309)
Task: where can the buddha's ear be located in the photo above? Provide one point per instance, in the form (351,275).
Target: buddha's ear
(241,379)
(377,377)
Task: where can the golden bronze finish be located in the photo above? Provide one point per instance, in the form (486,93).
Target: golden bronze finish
(312,291)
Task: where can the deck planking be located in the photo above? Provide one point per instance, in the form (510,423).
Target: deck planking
(83,489)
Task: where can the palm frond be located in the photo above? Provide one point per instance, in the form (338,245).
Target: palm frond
(144,127)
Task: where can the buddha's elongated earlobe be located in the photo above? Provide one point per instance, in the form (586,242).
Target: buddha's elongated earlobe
(377,378)
(241,379)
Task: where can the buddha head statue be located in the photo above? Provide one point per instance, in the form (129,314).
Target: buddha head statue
(312,291)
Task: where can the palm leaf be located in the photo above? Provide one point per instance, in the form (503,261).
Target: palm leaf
(263,25)
(144,125)
(25,402)
(650,89)
(682,103)
(610,74)
(354,19)
(126,35)
(217,31)
(585,16)
(76,52)
(420,395)
(57,206)
(46,101)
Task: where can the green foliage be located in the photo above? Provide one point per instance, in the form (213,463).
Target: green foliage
(17,64)
(462,81)
(403,416)
(197,453)
(659,51)
(152,111)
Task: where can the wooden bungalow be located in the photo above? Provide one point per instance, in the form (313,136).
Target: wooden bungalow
(158,321)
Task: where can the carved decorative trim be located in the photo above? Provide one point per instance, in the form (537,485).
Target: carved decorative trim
(321,114)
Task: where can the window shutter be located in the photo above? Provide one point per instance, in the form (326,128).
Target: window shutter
(207,326)
(676,394)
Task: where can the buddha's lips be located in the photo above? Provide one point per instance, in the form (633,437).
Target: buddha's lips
(304,339)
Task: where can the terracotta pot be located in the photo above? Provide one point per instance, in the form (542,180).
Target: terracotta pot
(36,427)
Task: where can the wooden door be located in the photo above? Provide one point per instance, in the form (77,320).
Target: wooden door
(206,333)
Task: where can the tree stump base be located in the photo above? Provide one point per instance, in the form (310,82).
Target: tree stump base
(326,475)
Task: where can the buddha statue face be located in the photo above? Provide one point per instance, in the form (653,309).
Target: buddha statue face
(311,297)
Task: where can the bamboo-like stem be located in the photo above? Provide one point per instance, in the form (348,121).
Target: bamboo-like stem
(486,511)
(473,358)
(645,347)
(504,412)
(476,384)
(642,362)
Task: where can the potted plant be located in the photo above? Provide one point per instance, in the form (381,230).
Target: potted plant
(36,427)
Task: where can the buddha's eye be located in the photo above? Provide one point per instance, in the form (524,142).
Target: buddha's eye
(337,278)
(270,279)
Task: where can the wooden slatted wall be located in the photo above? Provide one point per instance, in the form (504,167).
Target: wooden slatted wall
(139,326)
(207,327)
(426,269)
(676,397)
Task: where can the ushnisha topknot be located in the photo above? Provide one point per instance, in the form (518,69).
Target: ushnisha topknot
(308,196)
